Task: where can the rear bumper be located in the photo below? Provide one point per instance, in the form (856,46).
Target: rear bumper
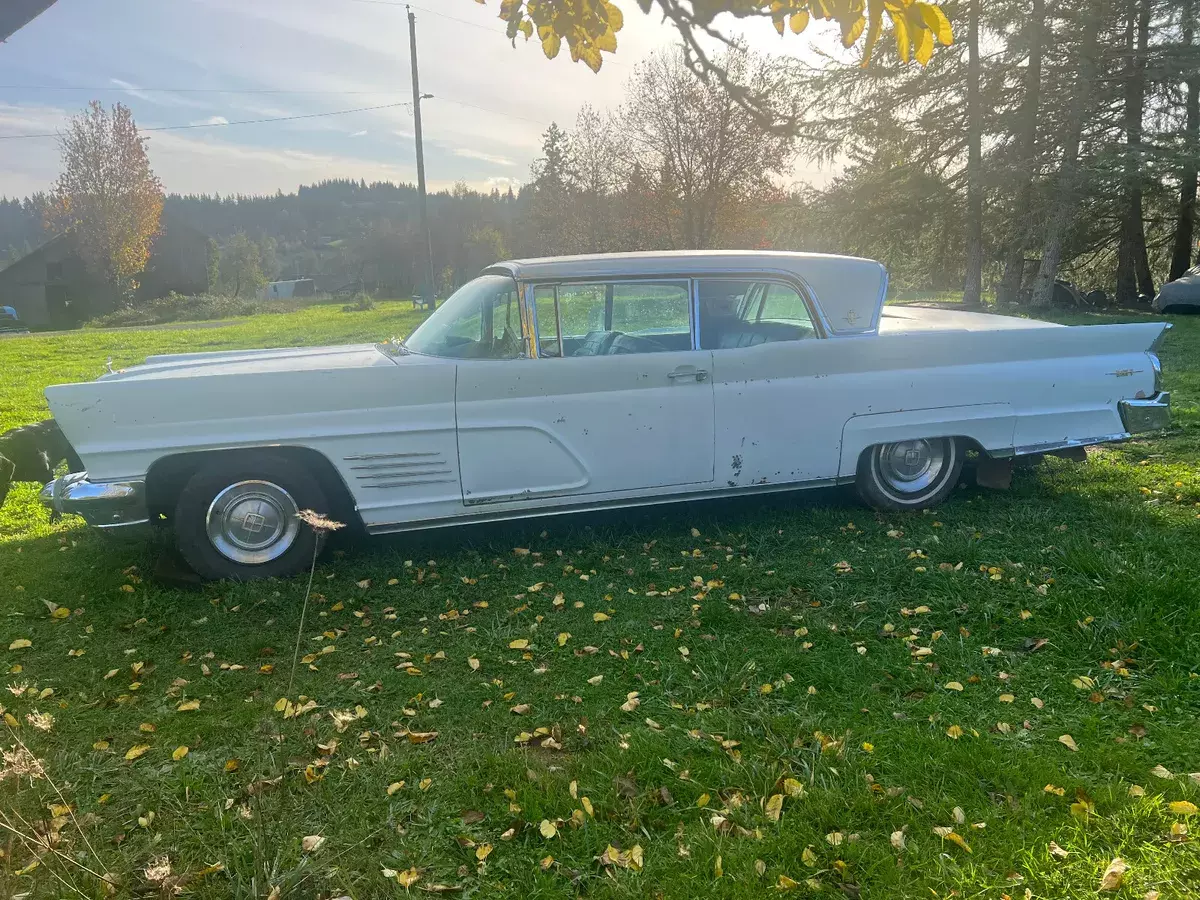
(1151,414)
(110,505)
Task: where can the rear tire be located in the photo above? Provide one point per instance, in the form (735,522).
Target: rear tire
(236,519)
(916,474)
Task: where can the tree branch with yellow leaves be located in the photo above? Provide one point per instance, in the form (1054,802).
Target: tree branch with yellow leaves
(589,29)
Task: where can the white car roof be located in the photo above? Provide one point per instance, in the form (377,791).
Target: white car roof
(848,291)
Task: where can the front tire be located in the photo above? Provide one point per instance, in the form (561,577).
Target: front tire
(237,519)
(916,474)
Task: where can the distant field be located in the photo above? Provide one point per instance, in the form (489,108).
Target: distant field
(733,699)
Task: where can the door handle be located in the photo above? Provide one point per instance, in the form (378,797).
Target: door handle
(698,374)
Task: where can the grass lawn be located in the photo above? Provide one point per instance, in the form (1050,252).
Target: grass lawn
(730,699)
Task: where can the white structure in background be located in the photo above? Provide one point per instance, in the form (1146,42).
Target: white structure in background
(554,385)
(285,290)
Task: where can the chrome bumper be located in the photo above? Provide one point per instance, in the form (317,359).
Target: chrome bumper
(114,504)
(1152,414)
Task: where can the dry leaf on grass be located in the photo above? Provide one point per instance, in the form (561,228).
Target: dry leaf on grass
(1114,875)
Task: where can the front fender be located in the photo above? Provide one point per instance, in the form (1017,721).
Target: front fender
(990,425)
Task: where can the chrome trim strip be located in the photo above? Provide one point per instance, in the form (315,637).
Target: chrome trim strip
(621,503)
(378,475)
(396,465)
(366,456)
(391,484)
(1047,447)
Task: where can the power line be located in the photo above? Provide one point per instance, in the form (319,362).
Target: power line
(336,112)
(145,90)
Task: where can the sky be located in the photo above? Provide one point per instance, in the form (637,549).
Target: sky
(195,62)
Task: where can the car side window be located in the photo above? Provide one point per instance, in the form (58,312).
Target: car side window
(613,318)
(735,314)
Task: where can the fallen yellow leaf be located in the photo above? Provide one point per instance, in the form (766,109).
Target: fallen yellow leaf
(1114,876)
(600,617)
(180,753)
(20,644)
(136,750)
(954,731)
(518,644)
(482,851)
(547,829)
(1069,742)
(1183,807)
(188,706)
(312,843)
(394,786)
(775,807)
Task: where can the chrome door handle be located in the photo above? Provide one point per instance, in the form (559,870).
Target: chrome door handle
(698,374)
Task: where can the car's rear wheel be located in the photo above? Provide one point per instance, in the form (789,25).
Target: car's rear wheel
(913,474)
(238,519)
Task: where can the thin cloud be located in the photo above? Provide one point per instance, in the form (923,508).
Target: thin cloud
(468,153)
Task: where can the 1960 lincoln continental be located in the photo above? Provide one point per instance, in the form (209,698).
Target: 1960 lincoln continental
(552,385)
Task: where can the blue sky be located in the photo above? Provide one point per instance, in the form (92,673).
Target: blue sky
(298,57)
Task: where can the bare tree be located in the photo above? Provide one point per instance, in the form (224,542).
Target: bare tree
(710,157)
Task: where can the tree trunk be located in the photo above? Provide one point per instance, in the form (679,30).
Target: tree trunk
(1181,258)
(1127,287)
(973,289)
(1063,203)
(1135,111)
(1014,264)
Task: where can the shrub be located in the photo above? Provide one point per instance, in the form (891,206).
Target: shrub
(178,308)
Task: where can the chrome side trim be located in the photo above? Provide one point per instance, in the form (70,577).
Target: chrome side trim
(405,476)
(1049,446)
(1151,414)
(620,503)
(106,505)
(396,465)
(391,484)
(366,456)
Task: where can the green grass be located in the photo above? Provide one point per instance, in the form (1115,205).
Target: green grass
(1078,588)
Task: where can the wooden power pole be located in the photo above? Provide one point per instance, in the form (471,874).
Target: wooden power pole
(429,291)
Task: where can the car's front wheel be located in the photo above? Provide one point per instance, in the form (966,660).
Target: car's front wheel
(239,519)
(914,474)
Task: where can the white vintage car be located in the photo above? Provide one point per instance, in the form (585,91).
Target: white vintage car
(555,385)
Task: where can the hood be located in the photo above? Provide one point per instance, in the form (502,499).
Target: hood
(248,362)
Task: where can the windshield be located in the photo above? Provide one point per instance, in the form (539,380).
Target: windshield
(481,320)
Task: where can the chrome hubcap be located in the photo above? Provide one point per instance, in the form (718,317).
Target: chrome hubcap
(252,522)
(910,467)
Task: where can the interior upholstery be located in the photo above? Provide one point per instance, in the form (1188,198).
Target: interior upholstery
(738,334)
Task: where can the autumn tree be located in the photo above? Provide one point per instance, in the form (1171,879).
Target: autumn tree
(107,194)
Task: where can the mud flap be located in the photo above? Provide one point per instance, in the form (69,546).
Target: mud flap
(995,474)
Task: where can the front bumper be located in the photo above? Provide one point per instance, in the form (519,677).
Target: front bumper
(1151,414)
(108,505)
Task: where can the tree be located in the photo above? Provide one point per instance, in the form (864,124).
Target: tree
(712,157)
(590,28)
(241,266)
(212,263)
(973,288)
(1133,264)
(1065,197)
(107,194)
(1184,239)
(1026,134)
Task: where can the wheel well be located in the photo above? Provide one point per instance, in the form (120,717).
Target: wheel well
(168,475)
(966,444)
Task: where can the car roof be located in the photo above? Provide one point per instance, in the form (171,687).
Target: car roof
(673,262)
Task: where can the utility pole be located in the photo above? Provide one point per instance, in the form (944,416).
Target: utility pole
(429,291)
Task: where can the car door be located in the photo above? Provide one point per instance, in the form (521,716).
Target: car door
(779,410)
(612,400)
